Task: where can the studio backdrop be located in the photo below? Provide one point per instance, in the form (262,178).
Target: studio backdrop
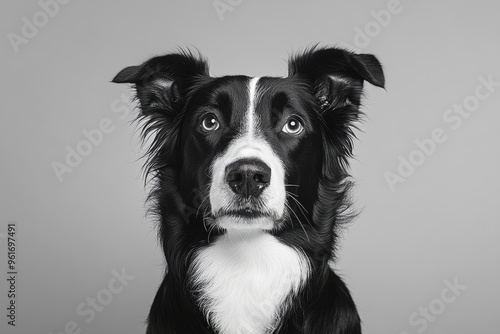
(78,254)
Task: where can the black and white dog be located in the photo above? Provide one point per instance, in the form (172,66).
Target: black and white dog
(268,158)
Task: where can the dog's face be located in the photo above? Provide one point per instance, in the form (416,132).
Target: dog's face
(248,135)
(255,150)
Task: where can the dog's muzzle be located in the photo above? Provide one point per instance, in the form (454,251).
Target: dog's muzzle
(247,188)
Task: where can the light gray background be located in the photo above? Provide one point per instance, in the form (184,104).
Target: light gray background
(440,224)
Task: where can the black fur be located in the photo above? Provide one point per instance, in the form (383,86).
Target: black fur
(324,88)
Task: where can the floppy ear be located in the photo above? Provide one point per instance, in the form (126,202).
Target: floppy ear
(163,84)
(335,77)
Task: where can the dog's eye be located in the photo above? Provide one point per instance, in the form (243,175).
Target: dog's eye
(210,123)
(293,126)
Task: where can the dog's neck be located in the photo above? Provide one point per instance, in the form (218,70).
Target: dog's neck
(245,280)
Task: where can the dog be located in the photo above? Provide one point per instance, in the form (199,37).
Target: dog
(250,187)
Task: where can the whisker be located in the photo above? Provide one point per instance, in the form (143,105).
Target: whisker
(301,207)
(301,225)
(291,194)
(209,232)
(288,206)
(199,206)
(205,218)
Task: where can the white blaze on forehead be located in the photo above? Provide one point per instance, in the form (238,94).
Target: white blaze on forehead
(250,116)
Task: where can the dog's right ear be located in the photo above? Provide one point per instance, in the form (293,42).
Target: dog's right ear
(164,82)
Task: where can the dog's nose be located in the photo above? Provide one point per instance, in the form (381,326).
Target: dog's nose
(248,177)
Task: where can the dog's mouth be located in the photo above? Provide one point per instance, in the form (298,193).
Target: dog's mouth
(246,218)
(246,213)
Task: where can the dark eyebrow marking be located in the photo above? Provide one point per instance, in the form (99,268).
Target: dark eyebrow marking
(279,101)
(223,101)
(224,104)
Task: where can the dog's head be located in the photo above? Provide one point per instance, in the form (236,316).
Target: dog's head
(259,152)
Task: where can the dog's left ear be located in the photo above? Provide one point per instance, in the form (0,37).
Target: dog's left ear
(335,78)
(337,75)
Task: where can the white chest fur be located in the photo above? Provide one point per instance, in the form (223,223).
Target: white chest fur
(244,280)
